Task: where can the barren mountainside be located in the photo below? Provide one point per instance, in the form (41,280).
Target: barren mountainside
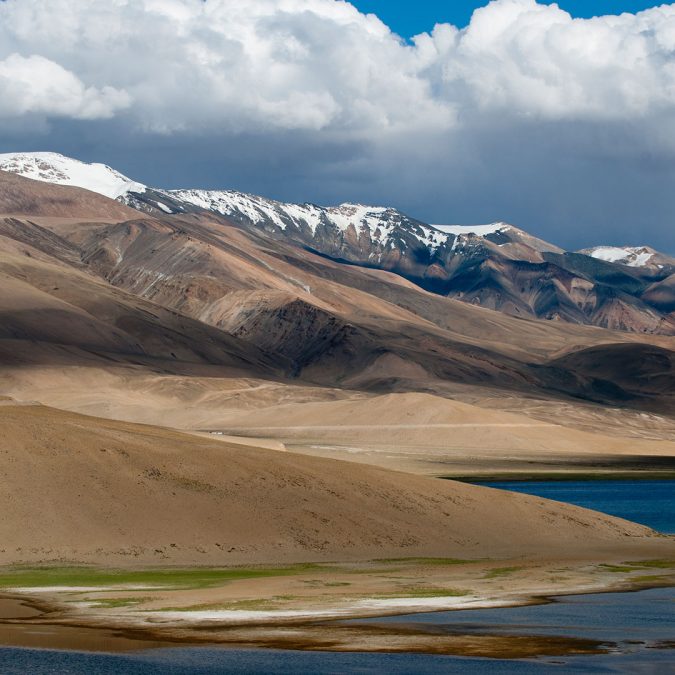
(246,337)
(496,266)
(196,289)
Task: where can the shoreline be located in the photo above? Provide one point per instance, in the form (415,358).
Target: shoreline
(72,623)
(561,477)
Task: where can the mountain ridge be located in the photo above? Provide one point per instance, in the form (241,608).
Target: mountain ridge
(497,266)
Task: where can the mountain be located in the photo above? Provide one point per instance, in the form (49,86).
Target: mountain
(207,374)
(631,256)
(54,310)
(497,266)
(51,167)
(190,320)
(195,288)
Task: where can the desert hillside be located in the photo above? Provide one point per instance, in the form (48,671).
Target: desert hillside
(81,489)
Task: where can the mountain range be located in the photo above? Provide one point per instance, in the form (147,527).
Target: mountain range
(496,266)
(86,274)
(235,338)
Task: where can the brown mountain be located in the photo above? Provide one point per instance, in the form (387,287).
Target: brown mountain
(496,266)
(193,287)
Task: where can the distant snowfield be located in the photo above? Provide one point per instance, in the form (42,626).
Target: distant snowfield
(51,167)
(631,256)
(479,230)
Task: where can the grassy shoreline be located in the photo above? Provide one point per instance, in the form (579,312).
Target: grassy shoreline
(117,619)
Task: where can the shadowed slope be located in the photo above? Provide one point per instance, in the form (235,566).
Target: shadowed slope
(337,324)
(52,311)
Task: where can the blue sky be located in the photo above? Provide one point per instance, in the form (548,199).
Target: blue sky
(410,18)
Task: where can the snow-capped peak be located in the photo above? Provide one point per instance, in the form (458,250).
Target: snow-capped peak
(632,256)
(382,224)
(478,230)
(51,167)
(380,221)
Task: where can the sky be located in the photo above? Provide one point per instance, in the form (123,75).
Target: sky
(520,111)
(410,18)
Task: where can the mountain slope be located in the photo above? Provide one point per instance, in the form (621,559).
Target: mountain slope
(333,324)
(54,310)
(213,503)
(23,196)
(51,167)
(496,266)
(229,279)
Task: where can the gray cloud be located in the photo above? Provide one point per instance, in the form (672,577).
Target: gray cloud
(562,126)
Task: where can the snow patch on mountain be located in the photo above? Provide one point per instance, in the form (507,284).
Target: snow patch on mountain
(381,222)
(637,256)
(51,167)
(232,203)
(478,230)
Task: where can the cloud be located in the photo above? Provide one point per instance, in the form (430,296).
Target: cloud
(311,99)
(536,60)
(224,65)
(35,85)
(173,65)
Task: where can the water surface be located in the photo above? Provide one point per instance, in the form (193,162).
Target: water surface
(649,502)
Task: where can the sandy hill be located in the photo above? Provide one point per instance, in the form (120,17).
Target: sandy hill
(81,489)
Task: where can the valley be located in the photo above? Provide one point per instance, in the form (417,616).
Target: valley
(188,393)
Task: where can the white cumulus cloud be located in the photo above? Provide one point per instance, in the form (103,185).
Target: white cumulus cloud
(231,65)
(532,59)
(170,65)
(35,84)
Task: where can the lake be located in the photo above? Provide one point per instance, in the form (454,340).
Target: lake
(650,502)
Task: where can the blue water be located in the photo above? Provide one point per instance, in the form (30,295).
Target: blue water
(649,502)
(636,623)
